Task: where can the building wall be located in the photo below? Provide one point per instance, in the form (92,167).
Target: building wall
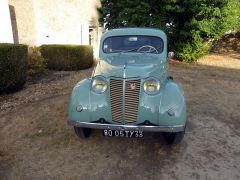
(56,22)
(64,21)
(23,21)
(5,23)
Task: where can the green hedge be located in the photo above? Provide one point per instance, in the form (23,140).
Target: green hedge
(67,57)
(13,66)
(191,51)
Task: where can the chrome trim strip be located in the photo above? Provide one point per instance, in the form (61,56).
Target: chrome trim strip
(123,100)
(124,89)
(175,128)
(124,71)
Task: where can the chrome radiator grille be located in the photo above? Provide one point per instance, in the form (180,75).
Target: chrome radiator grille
(124,95)
(116,95)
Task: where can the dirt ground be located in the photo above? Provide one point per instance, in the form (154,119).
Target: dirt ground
(37,143)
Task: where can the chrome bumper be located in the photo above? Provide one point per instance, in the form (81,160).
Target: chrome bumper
(176,128)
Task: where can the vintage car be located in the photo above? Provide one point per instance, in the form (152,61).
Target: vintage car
(130,90)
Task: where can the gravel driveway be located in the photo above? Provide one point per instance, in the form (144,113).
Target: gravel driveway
(37,143)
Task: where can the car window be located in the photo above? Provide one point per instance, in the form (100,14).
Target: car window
(146,44)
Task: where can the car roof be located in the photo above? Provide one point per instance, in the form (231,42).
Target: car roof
(135,31)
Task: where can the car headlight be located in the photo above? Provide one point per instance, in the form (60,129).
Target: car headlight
(99,84)
(151,86)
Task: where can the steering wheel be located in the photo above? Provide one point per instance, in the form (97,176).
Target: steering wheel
(150,49)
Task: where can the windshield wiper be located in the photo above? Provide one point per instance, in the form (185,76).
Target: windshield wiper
(123,51)
(131,50)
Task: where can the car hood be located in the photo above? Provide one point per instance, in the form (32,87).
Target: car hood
(123,66)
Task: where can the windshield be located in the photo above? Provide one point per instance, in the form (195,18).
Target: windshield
(144,44)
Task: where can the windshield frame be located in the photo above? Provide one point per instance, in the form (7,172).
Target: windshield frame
(130,50)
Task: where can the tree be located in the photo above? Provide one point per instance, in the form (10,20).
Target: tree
(191,25)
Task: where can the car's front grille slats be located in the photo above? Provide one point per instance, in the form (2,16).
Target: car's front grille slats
(116,89)
(124,96)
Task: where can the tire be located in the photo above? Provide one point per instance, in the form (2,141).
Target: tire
(83,133)
(173,138)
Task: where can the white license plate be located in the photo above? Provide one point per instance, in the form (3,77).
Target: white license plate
(123,133)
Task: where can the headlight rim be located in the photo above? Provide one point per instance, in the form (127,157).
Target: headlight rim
(158,87)
(103,79)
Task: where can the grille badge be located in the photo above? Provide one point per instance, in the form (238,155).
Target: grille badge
(132,86)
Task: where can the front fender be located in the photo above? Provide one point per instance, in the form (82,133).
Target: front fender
(173,100)
(94,106)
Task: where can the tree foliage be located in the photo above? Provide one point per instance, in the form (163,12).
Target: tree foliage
(191,25)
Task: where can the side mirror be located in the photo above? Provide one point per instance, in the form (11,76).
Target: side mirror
(170,55)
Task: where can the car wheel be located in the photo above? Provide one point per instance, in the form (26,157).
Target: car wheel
(82,132)
(173,138)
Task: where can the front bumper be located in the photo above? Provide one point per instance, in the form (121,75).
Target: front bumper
(174,128)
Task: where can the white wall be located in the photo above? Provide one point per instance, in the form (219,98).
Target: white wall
(62,22)
(23,21)
(6,35)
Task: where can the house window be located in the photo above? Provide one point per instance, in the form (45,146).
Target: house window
(91,37)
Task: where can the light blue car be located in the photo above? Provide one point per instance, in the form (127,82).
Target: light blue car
(130,91)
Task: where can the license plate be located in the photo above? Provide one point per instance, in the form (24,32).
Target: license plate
(123,133)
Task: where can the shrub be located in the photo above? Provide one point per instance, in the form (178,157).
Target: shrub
(36,63)
(192,50)
(67,57)
(13,66)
